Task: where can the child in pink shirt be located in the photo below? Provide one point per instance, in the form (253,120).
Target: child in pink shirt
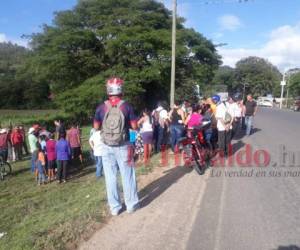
(51,156)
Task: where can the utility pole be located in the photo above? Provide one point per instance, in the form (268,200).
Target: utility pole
(283,83)
(172,91)
(287,91)
(244,89)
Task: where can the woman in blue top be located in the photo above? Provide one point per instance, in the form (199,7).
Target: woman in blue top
(63,153)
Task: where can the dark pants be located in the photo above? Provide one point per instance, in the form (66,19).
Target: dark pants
(214,138)
(161,140)
(18,151)
(224,140)
(235,127)
(24,145)
(62,170)
(155,138)
(4,154)
(243,123)
(208,137)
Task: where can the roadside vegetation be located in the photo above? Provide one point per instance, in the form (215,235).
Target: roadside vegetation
(51,216)
(70,59)
(29,117)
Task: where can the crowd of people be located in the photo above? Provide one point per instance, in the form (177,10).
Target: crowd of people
(13,143)
(163,128)
(50,152)
(118,136)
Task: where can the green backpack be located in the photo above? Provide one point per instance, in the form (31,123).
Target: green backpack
(113,127)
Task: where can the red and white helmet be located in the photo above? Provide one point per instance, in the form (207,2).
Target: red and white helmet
(114,86)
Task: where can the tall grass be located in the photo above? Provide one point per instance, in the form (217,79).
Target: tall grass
(28,117)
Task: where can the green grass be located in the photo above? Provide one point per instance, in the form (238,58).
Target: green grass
(49,216)
(28,117)
(52,216)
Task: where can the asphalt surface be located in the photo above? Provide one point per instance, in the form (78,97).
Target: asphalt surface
(261,210)
(234,207)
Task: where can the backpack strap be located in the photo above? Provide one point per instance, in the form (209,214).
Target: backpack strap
(225,105)
(108,105)
(121,102)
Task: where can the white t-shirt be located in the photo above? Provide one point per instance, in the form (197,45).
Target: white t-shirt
(92,131)
(220,114)
(237,111)
(146,126)
(163,114)
(97,142)
(231,108)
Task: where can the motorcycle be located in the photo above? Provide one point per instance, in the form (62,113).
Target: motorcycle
(197,153)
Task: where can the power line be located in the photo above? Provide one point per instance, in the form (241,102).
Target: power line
(211,2)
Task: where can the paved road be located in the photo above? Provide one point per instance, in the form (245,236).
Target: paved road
(255,212)
(182,210)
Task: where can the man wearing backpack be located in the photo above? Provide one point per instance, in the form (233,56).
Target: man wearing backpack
(116,117)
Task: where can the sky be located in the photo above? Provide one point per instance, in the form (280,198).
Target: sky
(264,28)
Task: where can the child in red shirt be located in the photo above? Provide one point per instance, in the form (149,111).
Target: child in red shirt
(17,142)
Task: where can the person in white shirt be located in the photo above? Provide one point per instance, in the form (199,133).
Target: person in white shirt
(96,144)
(238,110)
(146,125)
(162,119)
(224,125)
(92,131)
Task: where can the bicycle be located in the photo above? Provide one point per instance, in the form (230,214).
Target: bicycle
(5,168)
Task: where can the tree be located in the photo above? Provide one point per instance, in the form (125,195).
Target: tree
(260,76)
(225,75)
(127,38)
(19,86)
(196,60)
(294,84)
(12,91)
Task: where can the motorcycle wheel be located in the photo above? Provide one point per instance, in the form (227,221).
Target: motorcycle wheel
(5,169)
(199,165)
